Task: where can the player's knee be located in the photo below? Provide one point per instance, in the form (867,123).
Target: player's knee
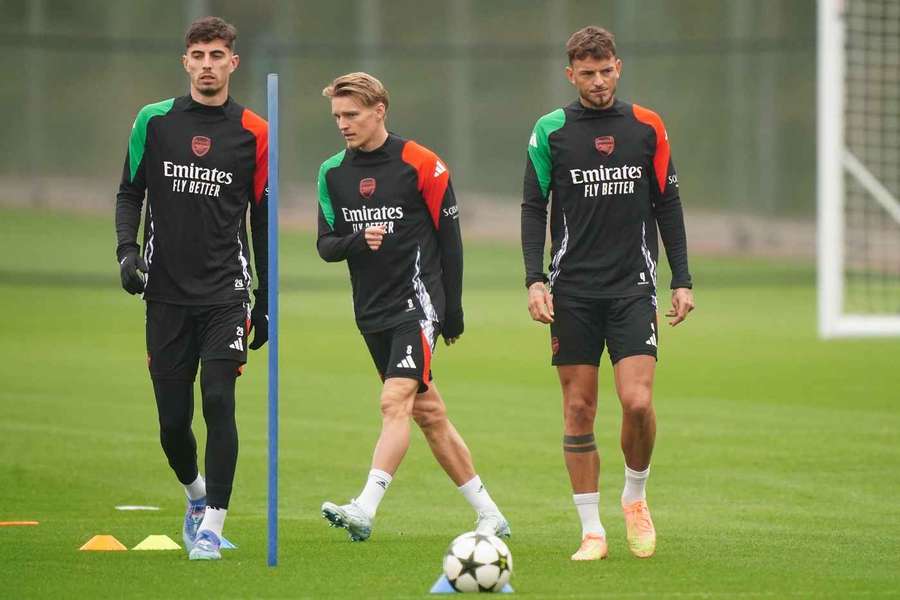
(396,405)
(637,403)
(580,410)
(430,416)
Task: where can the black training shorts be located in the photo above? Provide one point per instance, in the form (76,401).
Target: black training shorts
(179,336)
(404,351)
(581,327)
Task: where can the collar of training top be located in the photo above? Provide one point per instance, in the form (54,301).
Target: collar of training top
(381,152)
(186,103)
(618,109)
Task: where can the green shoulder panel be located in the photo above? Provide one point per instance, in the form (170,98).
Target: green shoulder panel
(324,195)
(139,132)
(539,146)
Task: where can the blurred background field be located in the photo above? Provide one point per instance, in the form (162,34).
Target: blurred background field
(733,79)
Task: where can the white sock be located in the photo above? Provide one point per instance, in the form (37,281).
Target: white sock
(635,482)
(376,485)
(214,520)
(477,495)
(588,507)
(196,489)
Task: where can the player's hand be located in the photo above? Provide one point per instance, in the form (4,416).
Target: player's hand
(540,302)
(452,328)
(259,320)
(682,304)
(132,269)
(374,237)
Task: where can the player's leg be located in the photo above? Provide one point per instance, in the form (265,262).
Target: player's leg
(172,359)
(358,516)
(222,331)
(451,452)
(633,340)
(398,393)
(576,343)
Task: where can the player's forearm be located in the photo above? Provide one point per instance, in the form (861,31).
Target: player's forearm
(452,271)
(670,219)
(259,230)
(534,234)
(335,248)
(128,220)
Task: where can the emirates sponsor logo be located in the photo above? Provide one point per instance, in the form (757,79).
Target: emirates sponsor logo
(607,181)
(200,145)
(367,187)
(191,179)
(368,216)
(605,144)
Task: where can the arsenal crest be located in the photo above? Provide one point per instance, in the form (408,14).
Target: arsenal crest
(605,144)
(200,145)
(367,187)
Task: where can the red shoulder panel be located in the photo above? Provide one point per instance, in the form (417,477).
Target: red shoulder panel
(434,176)
(255,124)
(661,156)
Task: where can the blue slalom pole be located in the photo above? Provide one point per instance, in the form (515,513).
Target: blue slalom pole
(272,94)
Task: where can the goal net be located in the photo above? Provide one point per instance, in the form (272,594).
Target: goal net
(859,167)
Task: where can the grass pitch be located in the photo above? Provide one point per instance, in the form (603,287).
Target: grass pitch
(775,473)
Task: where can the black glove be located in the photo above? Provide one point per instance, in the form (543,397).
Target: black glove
(132,269)
(453,325)
(259,319)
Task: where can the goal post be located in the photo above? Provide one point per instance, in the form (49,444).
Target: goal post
(858,158)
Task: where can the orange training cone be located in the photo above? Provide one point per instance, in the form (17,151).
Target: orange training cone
(103,543)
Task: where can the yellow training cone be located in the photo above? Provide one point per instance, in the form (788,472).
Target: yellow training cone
(157,542)
(103,543)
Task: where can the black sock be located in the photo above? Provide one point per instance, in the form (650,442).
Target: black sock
(217,378)
(175,405)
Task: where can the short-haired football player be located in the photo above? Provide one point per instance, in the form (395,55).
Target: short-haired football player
(201,159)
(609,168)
(386,206)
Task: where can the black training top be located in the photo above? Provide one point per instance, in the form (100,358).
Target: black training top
(612,180)
(201,166)
(416,274)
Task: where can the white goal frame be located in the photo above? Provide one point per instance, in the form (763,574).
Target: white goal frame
(834,163)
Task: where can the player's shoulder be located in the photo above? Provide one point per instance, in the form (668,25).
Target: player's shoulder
(551,121)
(644,115)
(154,109)
(331,162)
(546,125)
(252,121)
(421,158)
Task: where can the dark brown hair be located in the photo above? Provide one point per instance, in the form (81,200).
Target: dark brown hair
(207,29)
(362,86)
(591,41)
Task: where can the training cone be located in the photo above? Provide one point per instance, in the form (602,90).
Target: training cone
(226,545)
(103,543)
(157,542)
(442,586)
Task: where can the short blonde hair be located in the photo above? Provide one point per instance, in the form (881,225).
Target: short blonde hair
(362,86)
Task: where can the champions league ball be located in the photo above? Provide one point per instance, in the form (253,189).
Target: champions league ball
(477,563)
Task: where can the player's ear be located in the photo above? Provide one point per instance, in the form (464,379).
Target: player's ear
(380,110)
(618,66)
(235,61)
(570,74)
(184,62)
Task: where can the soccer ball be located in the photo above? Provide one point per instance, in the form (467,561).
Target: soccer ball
(477,563)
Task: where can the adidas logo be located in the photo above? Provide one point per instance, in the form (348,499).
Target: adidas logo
(237,344)
(439,168)
(407,363)
(652,340)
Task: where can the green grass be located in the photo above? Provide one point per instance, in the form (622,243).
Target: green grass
(775,473)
